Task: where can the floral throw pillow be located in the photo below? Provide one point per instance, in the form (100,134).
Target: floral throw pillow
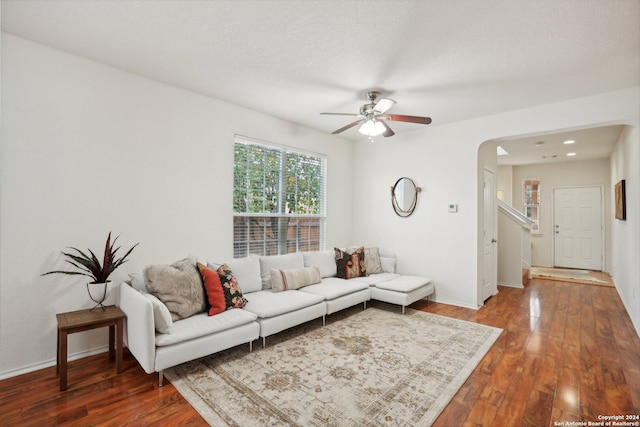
(350,265)
(232,293)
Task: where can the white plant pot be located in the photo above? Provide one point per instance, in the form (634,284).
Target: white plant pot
(98,292)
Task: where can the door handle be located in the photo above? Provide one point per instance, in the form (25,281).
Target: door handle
(494,241)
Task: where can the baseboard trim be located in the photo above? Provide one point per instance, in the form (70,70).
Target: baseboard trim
(456,303)
(51,362)
(512,285)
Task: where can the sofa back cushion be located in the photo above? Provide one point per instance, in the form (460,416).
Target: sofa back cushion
(279,262)
(324,260)
(247,273)
(284,280)
(388,264)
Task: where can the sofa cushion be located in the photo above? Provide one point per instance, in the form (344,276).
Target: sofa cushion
(331,288)
(178,286)
(283,262)
(213,288)
(404,283)
(350,265)
(201,324)
(137,281)
(232,292)
(269,304)
(282,280)
(325,260)
(375,278)
(161,315)
(247,273)
(388,264)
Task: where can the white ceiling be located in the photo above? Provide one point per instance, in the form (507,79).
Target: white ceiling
(450,60)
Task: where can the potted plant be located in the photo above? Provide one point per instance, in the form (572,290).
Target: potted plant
(90,266)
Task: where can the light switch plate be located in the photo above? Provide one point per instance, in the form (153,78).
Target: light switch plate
(453,208)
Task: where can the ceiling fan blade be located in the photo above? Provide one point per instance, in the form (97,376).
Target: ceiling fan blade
(342,114)
(388,132)
(349,126)
(411,119)
(383,105)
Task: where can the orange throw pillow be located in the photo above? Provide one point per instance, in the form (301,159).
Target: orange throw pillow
(213,287)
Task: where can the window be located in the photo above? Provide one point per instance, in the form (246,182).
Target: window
(532,203)
(278,199)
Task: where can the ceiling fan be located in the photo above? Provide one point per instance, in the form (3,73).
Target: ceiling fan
(372,116)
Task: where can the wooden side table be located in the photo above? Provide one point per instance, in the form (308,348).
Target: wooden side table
(84,320)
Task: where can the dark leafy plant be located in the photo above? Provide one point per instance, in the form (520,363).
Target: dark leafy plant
(90,265)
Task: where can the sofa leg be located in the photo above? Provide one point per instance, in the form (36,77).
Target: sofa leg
(324,320)
(403,309)
(365,305)
(160,378)
(250,346)
(264,342)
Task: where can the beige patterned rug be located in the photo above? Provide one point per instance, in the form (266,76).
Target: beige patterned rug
(373,367)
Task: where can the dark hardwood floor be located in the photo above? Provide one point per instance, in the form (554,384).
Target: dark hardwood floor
(568,353)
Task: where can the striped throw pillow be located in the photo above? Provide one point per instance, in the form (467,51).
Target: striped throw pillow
(283,280)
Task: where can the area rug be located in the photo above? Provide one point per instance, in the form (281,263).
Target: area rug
(569,275)
(371,367)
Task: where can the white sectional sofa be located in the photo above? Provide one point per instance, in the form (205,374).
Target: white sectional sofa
(158,343)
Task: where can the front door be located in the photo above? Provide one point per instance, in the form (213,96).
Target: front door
(578,228)
(490,259)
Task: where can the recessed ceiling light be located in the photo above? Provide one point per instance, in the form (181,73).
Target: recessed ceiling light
(539,143)
(569,141)
(502,151)
(571,154)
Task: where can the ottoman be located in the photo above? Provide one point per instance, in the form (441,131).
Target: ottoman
(402,290)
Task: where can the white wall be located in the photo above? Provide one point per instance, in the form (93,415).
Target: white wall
(553,175)
(625,235)
(86,149)
(442,160)
(505,184)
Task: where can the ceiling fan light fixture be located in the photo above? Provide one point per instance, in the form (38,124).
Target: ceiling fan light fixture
(372,127)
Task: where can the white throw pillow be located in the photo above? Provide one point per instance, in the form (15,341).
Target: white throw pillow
(281,262)
(372,260)
(324,260)
(161,315)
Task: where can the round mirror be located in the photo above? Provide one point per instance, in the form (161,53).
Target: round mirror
(404,196)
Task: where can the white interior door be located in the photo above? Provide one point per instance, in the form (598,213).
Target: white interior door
(578,227)
(490,259)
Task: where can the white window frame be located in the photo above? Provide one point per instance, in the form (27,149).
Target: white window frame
(273,229)
(532,206)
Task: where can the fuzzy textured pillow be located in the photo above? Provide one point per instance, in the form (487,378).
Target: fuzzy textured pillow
(213,288)
(350,265)
(178,286)
(282,280)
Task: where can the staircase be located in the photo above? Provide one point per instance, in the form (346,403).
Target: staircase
(514,246)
